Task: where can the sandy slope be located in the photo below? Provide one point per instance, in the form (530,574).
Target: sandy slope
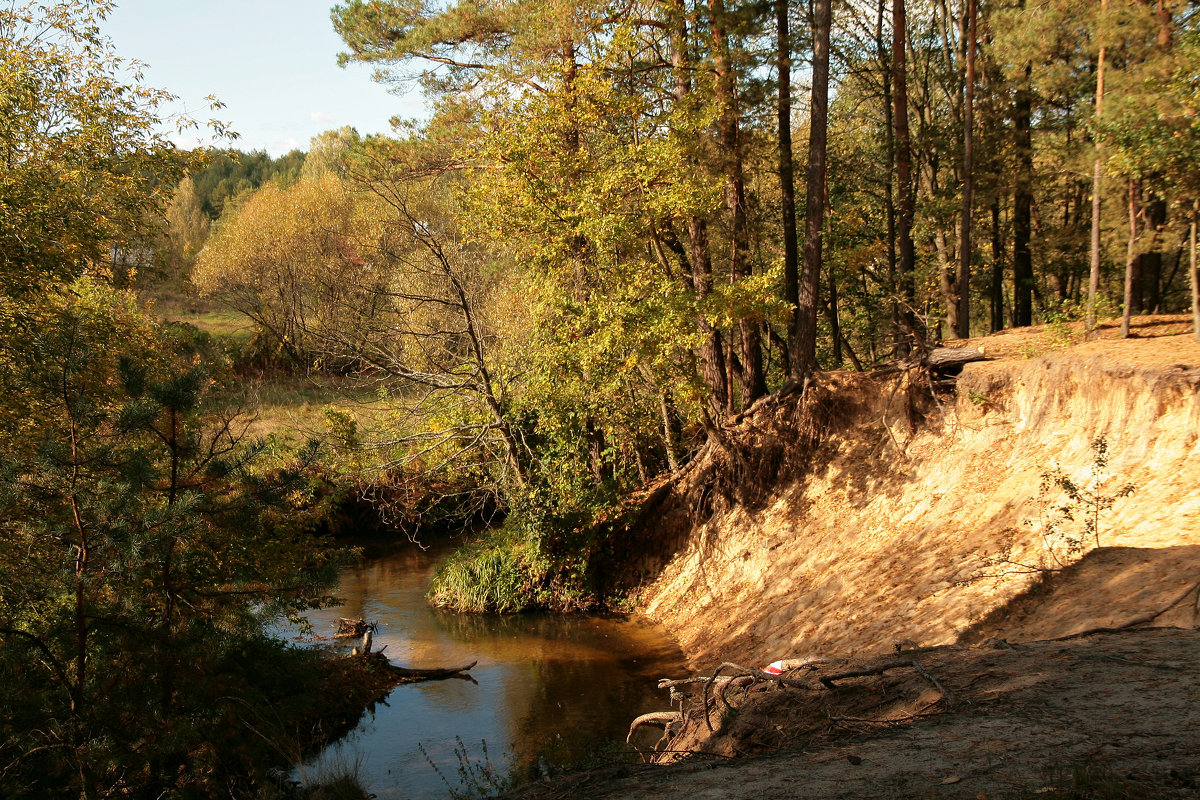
(917,530)
(920,520)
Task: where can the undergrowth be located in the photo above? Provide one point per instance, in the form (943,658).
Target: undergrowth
(477,778)
(533,561)
(1068,523)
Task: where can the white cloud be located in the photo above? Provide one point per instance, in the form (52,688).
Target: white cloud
(320,117)
(281,146)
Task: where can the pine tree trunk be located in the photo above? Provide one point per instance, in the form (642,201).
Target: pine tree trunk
(904,181)
(889,201)
(997,304)
(787,179)
(803,340)
(1194,275)
(968,200)
(750,372)
(1097,189)
(1023,206)
(1130,260)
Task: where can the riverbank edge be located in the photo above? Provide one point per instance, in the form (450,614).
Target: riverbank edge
(1151,376)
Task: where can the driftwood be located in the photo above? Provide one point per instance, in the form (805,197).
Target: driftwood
(352,628)
(364,649)
(429,674)
(745,677)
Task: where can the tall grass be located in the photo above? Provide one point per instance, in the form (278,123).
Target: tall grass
(502,571)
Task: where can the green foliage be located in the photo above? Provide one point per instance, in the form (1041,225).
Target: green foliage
(185,231)
(229,175)
(140,554)
(546,555)
(501,572)
(84,163)
(1071,525)
(332,152)
(296,261)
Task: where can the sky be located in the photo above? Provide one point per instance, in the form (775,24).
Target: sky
(272,62)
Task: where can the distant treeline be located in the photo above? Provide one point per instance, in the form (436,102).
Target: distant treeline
(232,172)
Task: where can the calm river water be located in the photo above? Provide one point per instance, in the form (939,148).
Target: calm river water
(562,687)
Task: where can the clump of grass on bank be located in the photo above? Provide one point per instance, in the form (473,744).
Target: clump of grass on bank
(538,559)
(502,572)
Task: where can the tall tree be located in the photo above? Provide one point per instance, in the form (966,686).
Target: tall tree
(1023,278)
(83,159)
(752,382)
(1097,184)
(787,179)
(802,346)
(905,185)
(136,548)
(968,180)
(712,350)
(186,229)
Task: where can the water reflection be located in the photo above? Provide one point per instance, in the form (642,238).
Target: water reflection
(560,686)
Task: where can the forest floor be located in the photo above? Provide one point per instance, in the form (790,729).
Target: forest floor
(1108,715)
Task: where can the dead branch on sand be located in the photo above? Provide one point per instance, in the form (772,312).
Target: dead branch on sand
(747,678)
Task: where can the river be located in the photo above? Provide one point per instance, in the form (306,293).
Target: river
(561,687)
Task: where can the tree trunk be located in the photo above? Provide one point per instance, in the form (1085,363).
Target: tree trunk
(946,276)
(904,181)
(997,303)
(1097,188)
(1130,260)
(968,200)
(1194,275)
(750,373)
(889,203)
(787,180)
(802,345)
(670,440)
(835,322)
(1023,205)
(1148,272)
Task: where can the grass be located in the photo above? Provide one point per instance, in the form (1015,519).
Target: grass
(495,573)
(477,777)
(293,407)
(290,408)
(173,304)
(333,781)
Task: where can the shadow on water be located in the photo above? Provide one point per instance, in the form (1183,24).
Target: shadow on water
(562,687)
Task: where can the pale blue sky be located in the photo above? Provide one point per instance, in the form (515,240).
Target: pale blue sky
(272,62)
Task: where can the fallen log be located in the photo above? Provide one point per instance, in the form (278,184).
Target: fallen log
(429,674)
(944,358)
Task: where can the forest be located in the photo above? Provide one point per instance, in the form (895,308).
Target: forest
(622,224)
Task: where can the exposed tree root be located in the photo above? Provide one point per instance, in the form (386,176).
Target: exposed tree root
(1141,619)
(747,679)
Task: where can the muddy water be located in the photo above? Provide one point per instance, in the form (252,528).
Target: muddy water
(564,688)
